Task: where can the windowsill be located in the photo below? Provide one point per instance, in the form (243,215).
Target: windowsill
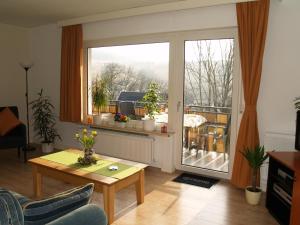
(130,130)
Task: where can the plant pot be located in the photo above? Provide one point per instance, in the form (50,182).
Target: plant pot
(252,198)
(47,147)
(149,125)
(130,124)
(122,124)
(139,124)
(97,119)
(88,157)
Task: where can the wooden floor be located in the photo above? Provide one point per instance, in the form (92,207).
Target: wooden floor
(211,160)
(166,202)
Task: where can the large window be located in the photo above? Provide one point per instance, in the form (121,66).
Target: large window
(127,71)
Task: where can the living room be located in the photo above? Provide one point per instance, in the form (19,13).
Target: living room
(31,35)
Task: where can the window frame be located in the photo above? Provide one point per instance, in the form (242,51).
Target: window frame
(176,82)
(119,41)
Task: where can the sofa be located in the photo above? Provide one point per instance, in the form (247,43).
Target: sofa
(16,138)
(67,208)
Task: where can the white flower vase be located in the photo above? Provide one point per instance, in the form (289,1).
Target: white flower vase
(122,124)
(47,147)
(97,119)
(139,125)
(149,125)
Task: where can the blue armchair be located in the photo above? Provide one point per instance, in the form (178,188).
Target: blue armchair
(88,214)
(16,138)
(67,208)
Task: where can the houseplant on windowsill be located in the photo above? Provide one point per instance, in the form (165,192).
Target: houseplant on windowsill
(150,101)
(122,119)
(255,158)
(99,96)
(44,121)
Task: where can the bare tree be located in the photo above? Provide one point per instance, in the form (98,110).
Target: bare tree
(120,78)
(209,81)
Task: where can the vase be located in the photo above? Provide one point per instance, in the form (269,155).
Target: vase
(122,124)
(149,124)
(88,157)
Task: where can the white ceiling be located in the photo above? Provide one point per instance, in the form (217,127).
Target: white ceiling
(30,13)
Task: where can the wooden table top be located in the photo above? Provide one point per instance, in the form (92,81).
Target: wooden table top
(289,159)
(94,177)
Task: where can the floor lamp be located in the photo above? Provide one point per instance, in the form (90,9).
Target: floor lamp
(27,67)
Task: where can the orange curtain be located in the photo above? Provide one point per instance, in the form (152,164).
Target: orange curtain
(252,20)
(71,70)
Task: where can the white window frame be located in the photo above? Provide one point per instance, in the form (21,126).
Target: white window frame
(236,93)
(120,41)
(175,83)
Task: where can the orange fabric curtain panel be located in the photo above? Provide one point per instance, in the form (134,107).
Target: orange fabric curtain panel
(252,27)
(71,71)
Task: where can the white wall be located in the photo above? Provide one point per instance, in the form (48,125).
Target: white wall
(193,19)
(280,78)
(280,82)
(45,45)
(13,50)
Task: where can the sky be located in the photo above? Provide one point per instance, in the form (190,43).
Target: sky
(152,57)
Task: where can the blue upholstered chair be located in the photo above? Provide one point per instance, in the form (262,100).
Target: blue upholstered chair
(67,208)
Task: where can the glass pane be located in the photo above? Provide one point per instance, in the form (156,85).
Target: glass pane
(207,103)
(127,71)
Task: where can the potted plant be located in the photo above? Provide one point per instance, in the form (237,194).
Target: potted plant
(87,141)
(99,96)
(122,119)
(150,100)
(44,121)
(255,158)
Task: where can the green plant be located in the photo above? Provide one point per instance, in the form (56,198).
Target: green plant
(99,93)
(151,99)
(44,118)
(86,140)
(255,158)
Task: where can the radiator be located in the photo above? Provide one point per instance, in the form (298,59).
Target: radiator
(126,146)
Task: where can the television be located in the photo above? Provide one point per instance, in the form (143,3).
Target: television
(297,137)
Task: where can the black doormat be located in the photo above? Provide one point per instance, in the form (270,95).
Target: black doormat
(201,181)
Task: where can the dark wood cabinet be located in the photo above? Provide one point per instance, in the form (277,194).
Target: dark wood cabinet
(283,189)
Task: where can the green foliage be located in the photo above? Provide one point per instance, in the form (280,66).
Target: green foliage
(255,157)
(99,93)
(44,118)
(151,99)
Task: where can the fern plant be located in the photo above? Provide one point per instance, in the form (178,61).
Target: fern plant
(44,118)
(255,157)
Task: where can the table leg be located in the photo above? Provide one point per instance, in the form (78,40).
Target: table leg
(140,187)
(109,202)
(37,182)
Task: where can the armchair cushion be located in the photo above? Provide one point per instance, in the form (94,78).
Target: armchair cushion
(88,214)
(8,121)
(47,210)
(10,209)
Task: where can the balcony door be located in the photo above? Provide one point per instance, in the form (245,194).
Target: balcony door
(210,103)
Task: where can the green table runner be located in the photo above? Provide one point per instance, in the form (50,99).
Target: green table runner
(101,168)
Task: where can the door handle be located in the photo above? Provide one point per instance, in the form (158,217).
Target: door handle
(178,105)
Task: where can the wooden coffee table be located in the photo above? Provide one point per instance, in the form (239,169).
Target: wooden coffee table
(107,185)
